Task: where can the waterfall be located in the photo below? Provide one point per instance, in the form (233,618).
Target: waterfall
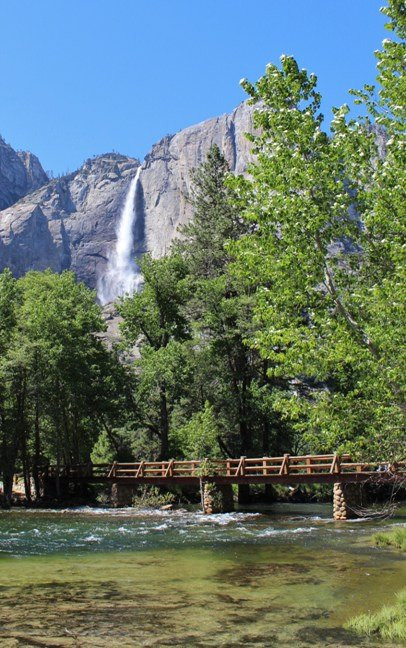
(122,276)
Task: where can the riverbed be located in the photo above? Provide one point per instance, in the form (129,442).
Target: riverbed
(286,575)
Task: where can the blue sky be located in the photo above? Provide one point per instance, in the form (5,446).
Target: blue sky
(82,77)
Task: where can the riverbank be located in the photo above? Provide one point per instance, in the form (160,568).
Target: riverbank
(389,622)
(395,539)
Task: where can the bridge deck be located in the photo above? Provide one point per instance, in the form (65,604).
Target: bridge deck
(275,470)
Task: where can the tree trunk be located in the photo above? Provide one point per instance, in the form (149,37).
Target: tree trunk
(22,429)
(37,449)
(7,487)
(164,425)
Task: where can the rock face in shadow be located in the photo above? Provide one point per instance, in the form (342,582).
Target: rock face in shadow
(70,222)
(20,173)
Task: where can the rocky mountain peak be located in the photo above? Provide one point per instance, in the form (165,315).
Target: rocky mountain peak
(20,173)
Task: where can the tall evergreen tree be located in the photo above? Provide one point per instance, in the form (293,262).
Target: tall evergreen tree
(232,376)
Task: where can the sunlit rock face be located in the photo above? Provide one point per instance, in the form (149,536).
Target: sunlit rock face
(20,173)
(166,180)
(72,222)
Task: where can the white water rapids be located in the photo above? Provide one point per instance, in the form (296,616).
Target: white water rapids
(122,276)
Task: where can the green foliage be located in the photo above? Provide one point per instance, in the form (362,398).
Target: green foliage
(59,385)
(152,497)
(388,624)
(326,256)
(229,375)
(103,451)
(155,320)
(395,538)
(154,316)
(198,438)
(215,220)
(9,301)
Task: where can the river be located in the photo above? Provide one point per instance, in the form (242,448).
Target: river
(287,576)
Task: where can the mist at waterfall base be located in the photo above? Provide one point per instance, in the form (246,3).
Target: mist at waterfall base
(122,276)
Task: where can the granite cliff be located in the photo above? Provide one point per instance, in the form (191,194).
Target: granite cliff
(20,173)
(70,222)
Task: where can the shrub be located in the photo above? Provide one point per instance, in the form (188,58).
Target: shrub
(152,497)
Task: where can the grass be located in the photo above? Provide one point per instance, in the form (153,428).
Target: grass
(388,623)
(395,538)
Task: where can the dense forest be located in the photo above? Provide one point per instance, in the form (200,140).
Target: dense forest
(275,324)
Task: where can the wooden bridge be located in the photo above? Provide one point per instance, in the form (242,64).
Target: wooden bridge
(215,477)
(244,470)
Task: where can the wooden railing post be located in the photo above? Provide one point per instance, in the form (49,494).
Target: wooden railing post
(169,470)
(228,468)
(284,470)
(309,465)
(241,467)
(112,472)
(264,466)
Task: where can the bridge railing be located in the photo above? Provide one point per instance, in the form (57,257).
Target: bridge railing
(329,464)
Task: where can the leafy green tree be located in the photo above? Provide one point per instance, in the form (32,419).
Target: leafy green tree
(155,320)
(59,384)
(59,317)
(9,439)
(103,450)
(215,219)
(198,438)
(327,255)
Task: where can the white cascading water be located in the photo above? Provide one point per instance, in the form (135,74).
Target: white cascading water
(122,276)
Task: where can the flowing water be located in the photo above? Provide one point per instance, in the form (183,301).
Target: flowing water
(122,276)
(287,576)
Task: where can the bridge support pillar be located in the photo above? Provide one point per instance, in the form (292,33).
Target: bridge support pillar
(216,498)
(121,495)
(346,500)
